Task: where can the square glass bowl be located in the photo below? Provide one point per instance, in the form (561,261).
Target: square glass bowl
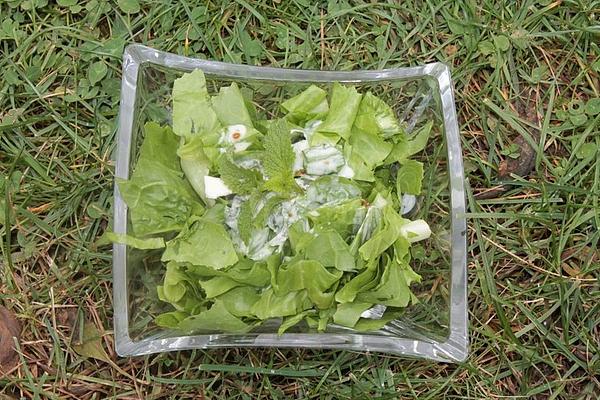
(435,328)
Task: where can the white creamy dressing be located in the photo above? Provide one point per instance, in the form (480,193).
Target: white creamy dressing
(299,148)
(313,163)
(323,160)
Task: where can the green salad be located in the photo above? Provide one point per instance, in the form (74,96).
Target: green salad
(298,218)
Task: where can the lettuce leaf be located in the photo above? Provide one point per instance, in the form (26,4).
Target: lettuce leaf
(310,104)
(215,319)
(394,288)
(288,322)
(298,237)
(345,101)
(205,243)
(217,286)
(368,324)
(338,217)
(195,165)
(405,148)
(364,281)
(348,314)
(239,301)
(409,177)
(136,243)
(387,233)
(373,148)
(271,305)
(170,319)
(230,107)
(376,117)
(309,275)
(362,171)
(246,272)
(192,111)
(159,198)
(331,250)
(305,274)
(180,289)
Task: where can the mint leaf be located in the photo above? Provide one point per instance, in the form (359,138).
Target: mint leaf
(239,180)
(246,216)
(278,159)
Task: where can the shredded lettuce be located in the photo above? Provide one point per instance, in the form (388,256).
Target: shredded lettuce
(296,218)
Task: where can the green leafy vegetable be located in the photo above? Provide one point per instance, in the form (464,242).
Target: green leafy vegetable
(192,111)
(195,164)
(385,235)
(374,116)
(137,243)
(239,301)
(216,319)
(303,221)
(170,319)
(345,101)
(230,107)
(278,160)
(305,274)
(205,243)
(348,314)
(373,148)
(362,171)
(288,322)
(159,198)
(298,237)
(331,250)
(245,272)
(393,290)
(217,286)
(338,217)
(240,180)
(271,305)
(368,324)
(410,177)
(404,148)
(361,282)
(308,105)
(246,217)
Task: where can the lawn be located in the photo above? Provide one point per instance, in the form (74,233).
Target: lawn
(527,79)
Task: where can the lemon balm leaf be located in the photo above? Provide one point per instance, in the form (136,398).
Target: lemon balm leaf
(240,180)
(278,159)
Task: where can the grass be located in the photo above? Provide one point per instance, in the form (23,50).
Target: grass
(526,68)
